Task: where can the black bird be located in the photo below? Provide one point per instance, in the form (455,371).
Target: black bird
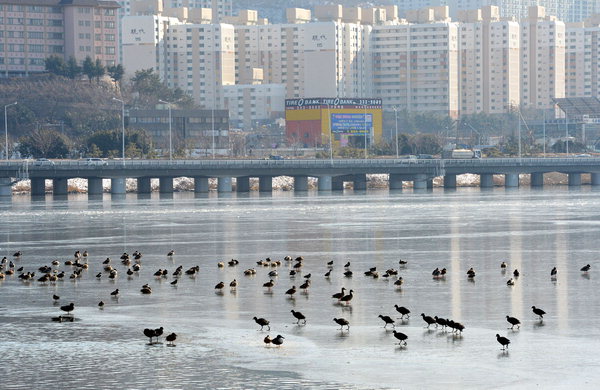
(516,273)
(436,272)
(586,268)
(115,293)
(269,285)
(510,282)
(388,320)
(347,265)
(514,322)
(440,321)
(401,336)
(327,274)
(348,298)
(101,304)
(171,339)
(538,312)
(339,295)
(299,316)
(277,340)
(307,276)
(330,263)
(402,262)
(291,291)
(262,322)
(348,274)
(233,284)
(219,286)
(403,311)
(503,341)
(267,340)
(553,272)
(173,283)
(158,332)
(18,254)
(171,253)
(398,283)
(68,308)
(342,322)
(304,286)
(503,265)
(149,333)
(428,319)
(292,272)
(471,273)
(55,297)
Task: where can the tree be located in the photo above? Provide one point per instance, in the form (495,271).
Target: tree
(89,68)
(73,69)
(109,142)
(99,70)
(45,143)
(56,65)
(151,89)
(116,72)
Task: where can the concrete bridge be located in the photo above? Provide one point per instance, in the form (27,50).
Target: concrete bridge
(331,174)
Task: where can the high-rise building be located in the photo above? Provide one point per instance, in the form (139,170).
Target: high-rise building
(583,59)
(32,30)
(565,10)
(542,59)
(489,62)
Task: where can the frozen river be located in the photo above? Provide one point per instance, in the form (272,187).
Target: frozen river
(219,345)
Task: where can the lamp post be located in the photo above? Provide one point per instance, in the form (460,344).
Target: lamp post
(396,117)
(170,130)
(330,135)
(473,130)
(365,132)
(122,127)
(6,130)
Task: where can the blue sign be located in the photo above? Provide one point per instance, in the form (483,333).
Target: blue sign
(353,124)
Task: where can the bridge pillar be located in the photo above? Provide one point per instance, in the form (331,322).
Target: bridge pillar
(117,186)
(265,184)
(395,181)
(224,184)
(144,185)
(450,181)
(595,179)
(165,185)
(574,179)
(537,179)
(60,187)
(5,187)
(242,184)
(95,186)
(201,185)
(486,180)
(300,183)
(429,183)
(324,183)
(511,180)
(360,182)
(337,183)
(419,181)
(38,187)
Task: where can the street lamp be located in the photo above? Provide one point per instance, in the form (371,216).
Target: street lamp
(170,130)
(6,130)
(473,130)
(365,132)
(396,117)
(330,134)
(122,127)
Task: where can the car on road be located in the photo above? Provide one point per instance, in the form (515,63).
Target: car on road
(95,161)
(584,155)
(276,157)
(43,162)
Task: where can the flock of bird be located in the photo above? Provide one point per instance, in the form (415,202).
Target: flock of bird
(133,263)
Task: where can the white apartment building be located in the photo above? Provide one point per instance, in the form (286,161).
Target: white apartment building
(565,10)
(416,66)
(542,59)
(249,104)
(583,59)
(201,60)
(489,62)
(144,43)
(220,8)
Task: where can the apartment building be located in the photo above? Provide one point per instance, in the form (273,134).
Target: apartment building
(489,61)
(583,59)
(542,59)
(565,10)
(252,104)
(220,8)
(416,65)
(32,30)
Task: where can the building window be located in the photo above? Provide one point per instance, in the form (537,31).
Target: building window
(109,50)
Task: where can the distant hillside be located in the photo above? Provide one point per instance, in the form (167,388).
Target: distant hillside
(274,10)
